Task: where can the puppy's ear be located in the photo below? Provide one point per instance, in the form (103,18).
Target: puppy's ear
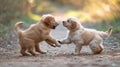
(73,25)
(46,20)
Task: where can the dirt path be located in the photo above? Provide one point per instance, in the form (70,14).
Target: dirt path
(63,56)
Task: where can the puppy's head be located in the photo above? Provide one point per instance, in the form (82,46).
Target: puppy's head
(49,21)
(72,23)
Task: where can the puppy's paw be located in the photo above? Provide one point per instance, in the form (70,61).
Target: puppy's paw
(42,52)
(25,54)
(53,45)
(60,42)
(58,45)
(35,55)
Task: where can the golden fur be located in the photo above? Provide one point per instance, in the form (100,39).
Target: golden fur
(82,36)
(30,38)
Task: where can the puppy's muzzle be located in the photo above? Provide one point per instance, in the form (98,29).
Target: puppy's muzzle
(55,26)
(63,22)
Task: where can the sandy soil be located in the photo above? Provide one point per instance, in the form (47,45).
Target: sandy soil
(63,56)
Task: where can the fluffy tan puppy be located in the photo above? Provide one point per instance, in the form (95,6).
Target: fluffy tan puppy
(30,38)
(82,36)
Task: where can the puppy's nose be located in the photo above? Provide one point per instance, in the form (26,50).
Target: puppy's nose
(63,21)
(54,27)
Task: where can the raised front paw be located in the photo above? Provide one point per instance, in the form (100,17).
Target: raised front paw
(60,42)
(53,45)
(58,45)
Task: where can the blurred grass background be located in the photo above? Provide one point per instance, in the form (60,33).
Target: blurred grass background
(103,13)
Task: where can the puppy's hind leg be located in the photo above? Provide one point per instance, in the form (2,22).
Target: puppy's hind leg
(31,50)
(23,51)
(96,47)
(37,49)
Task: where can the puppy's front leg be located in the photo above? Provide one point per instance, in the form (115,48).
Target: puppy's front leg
(65,41)
(38,49)
(78,49)
(54,41)
(52,44)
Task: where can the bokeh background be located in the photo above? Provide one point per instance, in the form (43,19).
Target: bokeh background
(100,14)
(96,14)
(86,10)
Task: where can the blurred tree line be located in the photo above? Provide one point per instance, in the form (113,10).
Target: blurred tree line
(94,9)
(12,9)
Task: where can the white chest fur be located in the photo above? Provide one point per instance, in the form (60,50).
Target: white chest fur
(75,36)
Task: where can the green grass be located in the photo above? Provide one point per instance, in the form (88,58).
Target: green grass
(4,28)
(104,25)
(27,21)
(10,25)
(116,25)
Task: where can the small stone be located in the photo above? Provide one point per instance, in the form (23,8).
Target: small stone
(114,46)
(86,62)
(110,43)
(118,53)
(8,45)
(64,52)
(72,53)
(115,43)
(101,56)
(113,65)
(1,49)
(55,53)
(11,41)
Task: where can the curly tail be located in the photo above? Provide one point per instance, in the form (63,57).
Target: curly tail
(106,33)
(17,28)
(109,31)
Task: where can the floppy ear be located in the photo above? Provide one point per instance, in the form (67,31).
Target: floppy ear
(73,25)
(46,20)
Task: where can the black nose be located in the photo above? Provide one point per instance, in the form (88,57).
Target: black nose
(63,21)
(54,27)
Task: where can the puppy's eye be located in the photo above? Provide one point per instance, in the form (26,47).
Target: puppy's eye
(67,20)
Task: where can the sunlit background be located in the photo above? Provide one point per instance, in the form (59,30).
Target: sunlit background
(86,10)
(93,14)
(106,12)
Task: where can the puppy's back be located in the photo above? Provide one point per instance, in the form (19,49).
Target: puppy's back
(88,35)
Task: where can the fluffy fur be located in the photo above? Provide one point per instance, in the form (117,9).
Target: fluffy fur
(82,36)
(30,38)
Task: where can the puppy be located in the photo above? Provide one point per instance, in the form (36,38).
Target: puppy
(30,38)
(82,36)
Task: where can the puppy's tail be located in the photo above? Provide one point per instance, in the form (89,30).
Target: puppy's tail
(17,28)
(107,33)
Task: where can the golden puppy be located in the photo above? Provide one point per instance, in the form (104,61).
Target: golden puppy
(81,36)
(30,38)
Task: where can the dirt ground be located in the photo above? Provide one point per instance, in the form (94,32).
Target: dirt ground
(63,56)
